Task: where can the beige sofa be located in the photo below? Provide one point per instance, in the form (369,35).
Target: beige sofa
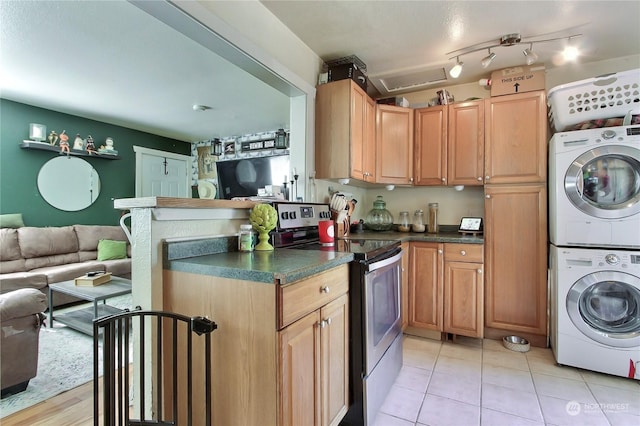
(33,257)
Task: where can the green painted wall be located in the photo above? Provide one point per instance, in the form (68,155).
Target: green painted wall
(19,167)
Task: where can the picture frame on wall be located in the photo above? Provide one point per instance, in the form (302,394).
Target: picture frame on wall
(229,148)
(206,163)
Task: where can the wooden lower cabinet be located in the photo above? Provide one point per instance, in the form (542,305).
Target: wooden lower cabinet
(404,286)
(313,352)
(425,285)
(516,261)
(446,288)
(464,290)
(280,353)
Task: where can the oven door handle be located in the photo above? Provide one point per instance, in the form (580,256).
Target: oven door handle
(385,262)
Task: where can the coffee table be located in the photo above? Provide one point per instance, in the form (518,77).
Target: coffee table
(82,319)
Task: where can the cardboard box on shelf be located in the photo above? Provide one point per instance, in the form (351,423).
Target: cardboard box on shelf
(522,79)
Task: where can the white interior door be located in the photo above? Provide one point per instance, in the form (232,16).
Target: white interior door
(162,174)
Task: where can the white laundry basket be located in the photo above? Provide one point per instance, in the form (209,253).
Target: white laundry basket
(606,96)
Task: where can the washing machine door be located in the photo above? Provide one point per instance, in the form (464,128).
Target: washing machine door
(605,307)
(604,182)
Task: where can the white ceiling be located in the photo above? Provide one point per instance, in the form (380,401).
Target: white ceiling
(113,62)
(398,37)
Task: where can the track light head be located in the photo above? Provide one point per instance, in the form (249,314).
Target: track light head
(457,68)
(486,61)
(530,56)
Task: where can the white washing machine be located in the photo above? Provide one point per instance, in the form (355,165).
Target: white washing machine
(594,187)
(595,309)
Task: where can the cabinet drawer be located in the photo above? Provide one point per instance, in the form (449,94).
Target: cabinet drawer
(300,298)
(464,252)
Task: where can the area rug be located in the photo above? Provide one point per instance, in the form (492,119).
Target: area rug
(65,361)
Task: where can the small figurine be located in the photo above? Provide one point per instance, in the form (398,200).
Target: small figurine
(109,143)
(52,138)
(78,143)
(90,146)
(64,143)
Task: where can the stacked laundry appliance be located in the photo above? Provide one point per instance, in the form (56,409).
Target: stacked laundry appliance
(594,224)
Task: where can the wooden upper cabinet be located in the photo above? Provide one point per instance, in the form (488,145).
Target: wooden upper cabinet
(345,132)
(394,145)
(465,151)
(430,153)
(516,138)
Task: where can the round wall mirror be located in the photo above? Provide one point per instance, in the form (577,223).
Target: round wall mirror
(68,183)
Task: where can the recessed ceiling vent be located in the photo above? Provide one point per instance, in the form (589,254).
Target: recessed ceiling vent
(396,83)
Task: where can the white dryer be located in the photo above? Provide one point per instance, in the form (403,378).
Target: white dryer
(595,309)
(594,187)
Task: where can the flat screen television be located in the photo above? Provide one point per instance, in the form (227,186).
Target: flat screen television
(243,177)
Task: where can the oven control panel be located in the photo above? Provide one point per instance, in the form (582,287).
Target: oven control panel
(301,215)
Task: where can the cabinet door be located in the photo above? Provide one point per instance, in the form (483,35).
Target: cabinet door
(425,289)
(516,138)
(300,390)
(430,155)
(516,257)
(339,119)
(363,121)
(394,145)
(465,151)
(334,332)
(463,299)
(404,286)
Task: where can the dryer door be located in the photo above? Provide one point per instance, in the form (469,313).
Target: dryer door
(605,307)
(605,182)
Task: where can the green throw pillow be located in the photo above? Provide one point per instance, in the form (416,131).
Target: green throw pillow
(13,220)
(111,249)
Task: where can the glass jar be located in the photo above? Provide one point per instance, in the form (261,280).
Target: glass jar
(418,221)
(379,218)
(433,218)
(403,225)
(246,238)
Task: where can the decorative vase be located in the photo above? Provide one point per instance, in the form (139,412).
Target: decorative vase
(263,238)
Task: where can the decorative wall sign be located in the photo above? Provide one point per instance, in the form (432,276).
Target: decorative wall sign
(257,145)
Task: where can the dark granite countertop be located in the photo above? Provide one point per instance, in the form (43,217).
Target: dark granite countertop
(281,265)
(447,234)
(217,256)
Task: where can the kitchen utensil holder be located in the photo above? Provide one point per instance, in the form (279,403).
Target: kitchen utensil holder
(342,227)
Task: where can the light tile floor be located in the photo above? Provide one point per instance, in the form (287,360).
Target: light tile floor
(479,382)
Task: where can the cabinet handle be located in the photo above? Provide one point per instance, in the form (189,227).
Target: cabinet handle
(479,271)
(322,324)
(411,179)
(439,251)
(487,196)
(462,252)
(324,289)
(479,178)
(328,321)
(443,179)
(487,177)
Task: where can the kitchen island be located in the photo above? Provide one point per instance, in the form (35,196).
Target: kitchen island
(280,353)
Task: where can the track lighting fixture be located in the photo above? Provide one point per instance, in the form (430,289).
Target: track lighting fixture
(507,40)
(456,70)
(530,55)
(486,61)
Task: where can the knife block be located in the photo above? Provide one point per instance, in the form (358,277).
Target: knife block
(341,227)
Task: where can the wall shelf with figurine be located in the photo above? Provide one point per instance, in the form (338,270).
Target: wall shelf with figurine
(44,146)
